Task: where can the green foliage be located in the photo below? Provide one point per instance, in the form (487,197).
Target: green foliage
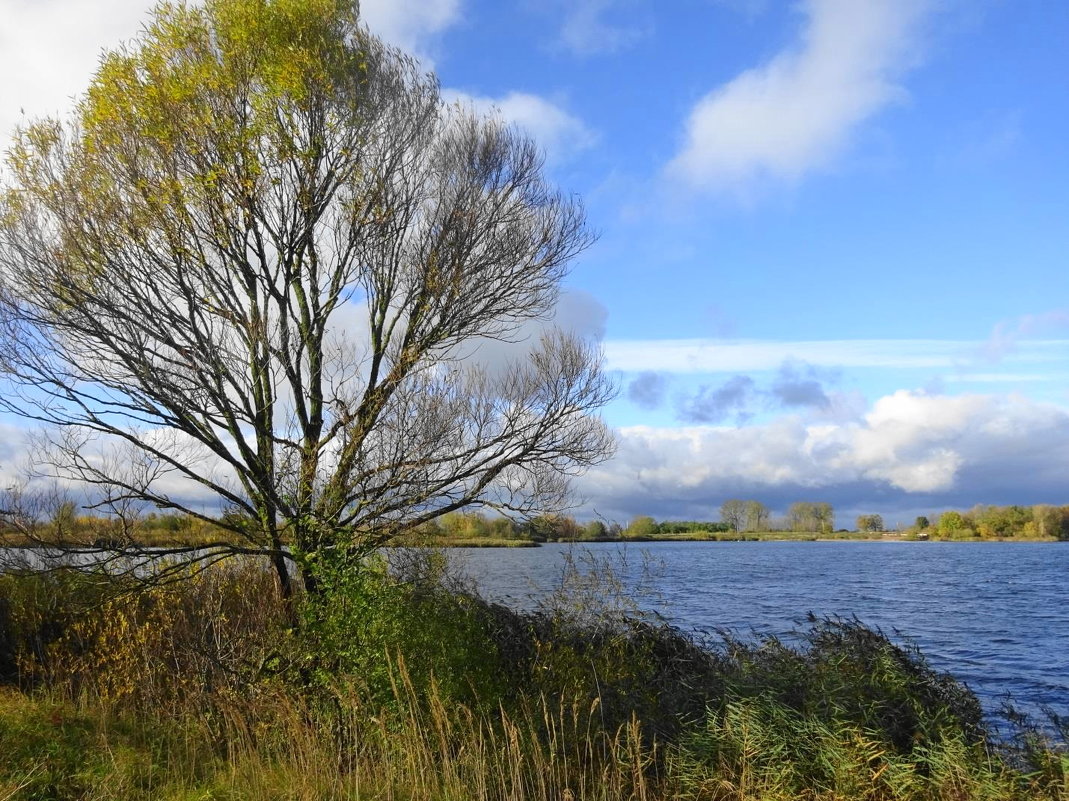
(760,748)
(642,527)
(691,527)
(553,528)
(460,526)
(842,670)
(870,523)
(366,617)
(591,643)
(595,530)
(844,712)
(53,750)
(995,522)
(951,522)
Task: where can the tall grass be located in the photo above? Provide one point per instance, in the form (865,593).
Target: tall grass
(418,689)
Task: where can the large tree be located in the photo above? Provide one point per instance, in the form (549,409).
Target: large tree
(869,523)
(809,516)
(259,260)
(757,516)
(733,513)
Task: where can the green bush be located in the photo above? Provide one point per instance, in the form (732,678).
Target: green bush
(366,616)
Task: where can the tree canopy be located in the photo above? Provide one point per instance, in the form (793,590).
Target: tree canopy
(253,270)
(809,516)
(870,522)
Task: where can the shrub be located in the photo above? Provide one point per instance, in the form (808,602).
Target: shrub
(37,610)
(367,615)
(185,645)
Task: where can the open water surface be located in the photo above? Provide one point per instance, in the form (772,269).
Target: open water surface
(995,615)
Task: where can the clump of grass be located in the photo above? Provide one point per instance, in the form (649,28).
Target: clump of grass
(842,670)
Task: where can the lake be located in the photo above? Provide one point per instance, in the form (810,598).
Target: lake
(995,615)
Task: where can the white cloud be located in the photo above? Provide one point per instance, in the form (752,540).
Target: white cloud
(555,130)
(49,49)
(1000,378)
(410,25)
(795,113)
(711,355)
(1007,336)
(576,312)
(911,450)
(13,447)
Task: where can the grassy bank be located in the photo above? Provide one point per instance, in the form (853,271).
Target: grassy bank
(760,536)
(464,542)
(406,685)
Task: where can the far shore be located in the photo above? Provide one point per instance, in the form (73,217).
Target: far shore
(16,541)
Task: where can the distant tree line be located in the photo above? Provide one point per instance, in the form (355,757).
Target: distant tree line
(998,522)
(557,527)
(645,527)
(736,517)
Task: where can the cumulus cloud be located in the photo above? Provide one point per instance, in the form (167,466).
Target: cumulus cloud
(647,390)
(581,313)
(559,133)
(413,27)
(576,312)
(792,115)
(409,26)
(909,451)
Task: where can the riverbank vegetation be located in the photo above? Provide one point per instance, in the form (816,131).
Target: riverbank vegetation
(402,683)
(1042,521)
(65,524)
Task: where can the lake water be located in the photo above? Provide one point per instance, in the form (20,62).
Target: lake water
(995,615)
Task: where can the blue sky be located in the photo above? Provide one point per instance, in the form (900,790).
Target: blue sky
(833,233)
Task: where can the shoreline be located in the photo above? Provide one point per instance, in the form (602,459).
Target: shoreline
(22,543)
